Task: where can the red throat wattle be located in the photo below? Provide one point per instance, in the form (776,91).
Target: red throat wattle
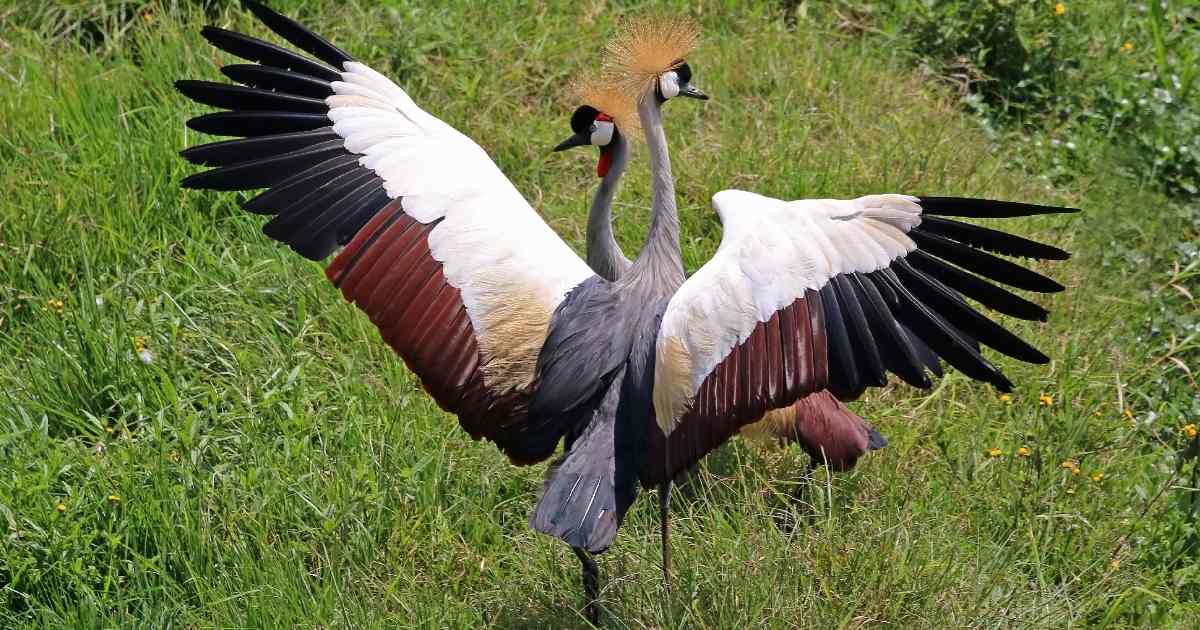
(605,162)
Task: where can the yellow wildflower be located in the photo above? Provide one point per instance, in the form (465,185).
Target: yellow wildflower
(993,452)
(1060,9)
(1129,414)
(143,351)
(1068,464)
(1097,476)
(113,498)
(1127,47)
(1190,431)
(1023,451)
(1045,400)
(1076,471)
(55,305)
(1115,564)
(61,508)
(1006,399)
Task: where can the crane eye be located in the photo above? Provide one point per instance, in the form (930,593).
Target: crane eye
(602,133)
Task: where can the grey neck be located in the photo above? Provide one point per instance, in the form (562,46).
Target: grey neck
(604,255)
(661,256)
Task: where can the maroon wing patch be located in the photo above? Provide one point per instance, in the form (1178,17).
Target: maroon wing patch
(387,271)
(784,359)
(823,426)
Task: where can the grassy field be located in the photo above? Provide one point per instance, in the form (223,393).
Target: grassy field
(196,431)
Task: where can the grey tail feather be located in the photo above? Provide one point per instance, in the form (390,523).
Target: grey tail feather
(578,503)
(875,439)
(587,492)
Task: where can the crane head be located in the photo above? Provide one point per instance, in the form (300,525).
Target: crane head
(677,82)
(590,126)
(647,55)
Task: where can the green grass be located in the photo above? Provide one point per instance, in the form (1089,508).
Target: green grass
(275,465)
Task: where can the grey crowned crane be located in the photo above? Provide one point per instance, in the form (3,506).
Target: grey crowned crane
(822,425)
(508,328)
(808,295)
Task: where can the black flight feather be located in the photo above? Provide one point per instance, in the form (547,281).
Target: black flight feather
(288,226)
(866,350)
(970,321)
(299,186)
(322,236)
(256,50)
(254,124)
(924,352)
(239,97)
(279,80)
(996,298)
(299,36)
(265,172)
(984,264)
(229,152)
(350,223)
(985,208)
(991,240)
(934,330)
(333,214)
(844,381)
(898,354)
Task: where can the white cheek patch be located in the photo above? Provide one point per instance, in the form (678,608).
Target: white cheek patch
(668,84)
(602,134)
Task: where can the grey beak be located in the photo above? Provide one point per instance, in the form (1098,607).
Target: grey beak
(577,140)
(692,92)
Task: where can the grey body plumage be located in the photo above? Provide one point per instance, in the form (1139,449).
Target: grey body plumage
(598,360)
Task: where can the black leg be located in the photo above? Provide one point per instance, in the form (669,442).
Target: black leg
(664,514)
(591,585)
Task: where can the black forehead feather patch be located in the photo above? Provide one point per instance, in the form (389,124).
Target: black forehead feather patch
(685,73)
(582,119)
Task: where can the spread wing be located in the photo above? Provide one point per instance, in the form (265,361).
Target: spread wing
(833,294)
(454,267)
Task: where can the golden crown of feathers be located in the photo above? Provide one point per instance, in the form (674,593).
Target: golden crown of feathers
(645,47)
(641,49)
